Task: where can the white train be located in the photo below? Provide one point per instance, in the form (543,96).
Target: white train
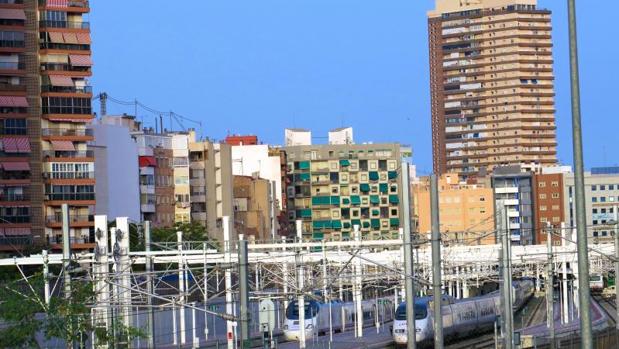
(343,315)
(460,318)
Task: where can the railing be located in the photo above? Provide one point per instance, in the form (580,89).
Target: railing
(72,218)
(13,43)
(13,131)
(67,132)
(14,197)
(69,175)
(11,87)
(66,89)
(11,1)
(16,240)
(55,46)
(12,65)
(57,240)
(15,175)
(68,154)
(67,110)
(70,3)
(15,219)
(63,67)
(64,24)
(70,196)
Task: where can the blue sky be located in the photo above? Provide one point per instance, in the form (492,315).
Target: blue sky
(256,67)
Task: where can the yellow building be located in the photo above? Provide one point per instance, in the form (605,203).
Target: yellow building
(466,210)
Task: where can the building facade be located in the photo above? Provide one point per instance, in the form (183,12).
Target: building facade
(211,183)
(466,211)
(331,188)
(549,204)
(492,86)
(514,198)
(253,209)
(602,202)
(45,104)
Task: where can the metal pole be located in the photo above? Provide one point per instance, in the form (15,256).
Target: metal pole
(204,247)
(244,292)
(325,292)
(285,276)
(550,317)
(579,186)
(617,260)
(66,258)
(300,276)
(508,314)
(149,286)
(228,282)
(408,259)
(181,285)
(358,285)
(436,263)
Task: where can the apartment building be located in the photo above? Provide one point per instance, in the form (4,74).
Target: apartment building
(602,202)
(44,107)
(210,184)
(492,86)
(513,194)
(331,188)
(466,211)
(549,203)
(253,208)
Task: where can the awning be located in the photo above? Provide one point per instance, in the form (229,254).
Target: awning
(58,3)
(16,145)
(63,146)
(374,199)
(344,163)
(364,187)
(80,60)
(61,80)
(17,231)
(147,161)
(70,38)
(374,176)
(13,101)
(394,199)
(16,166)
(10,13)
(76,120)
(355,200)
(56,37)
(83,38)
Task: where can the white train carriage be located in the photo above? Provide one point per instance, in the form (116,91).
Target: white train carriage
(320,316)
(460,318)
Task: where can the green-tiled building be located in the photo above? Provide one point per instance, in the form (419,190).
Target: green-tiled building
(331,188)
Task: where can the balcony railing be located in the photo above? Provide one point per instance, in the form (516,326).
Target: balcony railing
(12,87)
(57,240)
(14,219)
(69,175)
(15,175)
(72,219)
(70,196)
(13,43)
(55,46)
(64,24)
(14,197)
(11,1)
(63,67)
(12,66)
(68,154)
(13,131)
(15,240)
(70,3)
(66,89)
(67,132)
(67,110)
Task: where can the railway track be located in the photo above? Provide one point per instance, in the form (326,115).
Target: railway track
(608,305)
(481,342)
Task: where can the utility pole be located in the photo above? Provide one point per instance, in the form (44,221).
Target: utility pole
(325,291)
(408,260)
(181,285)
(508,315)
(550,312)
(204,248)
(102,289)
(149,286)
(436,263)
(579,186)
(358,285)
(124,268)
(228,282)
(244,292)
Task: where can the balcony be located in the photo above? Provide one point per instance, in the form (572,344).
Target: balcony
(12,87)
(12,44)
(66,132)
(66,89)
(74,220)
(70,3)
(8,243)
(64,24)
(13,131)
(68,175)
(14,219)
(147,208)
(12,66)
(57,240)
(12,2)
(51,154)
(64,67)
(199,216)
(14,197)
(70,197)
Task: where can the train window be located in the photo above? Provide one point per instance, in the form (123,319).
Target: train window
(421,312)
(292,313)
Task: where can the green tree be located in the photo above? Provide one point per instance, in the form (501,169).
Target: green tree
(194,232)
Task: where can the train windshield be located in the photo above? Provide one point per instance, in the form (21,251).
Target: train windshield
(595,277)
(292,312)
(420,312)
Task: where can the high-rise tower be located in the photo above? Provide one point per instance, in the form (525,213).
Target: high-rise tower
(45,104)
(492,86)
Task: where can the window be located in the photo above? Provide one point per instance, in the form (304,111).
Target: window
(542,196)
(595,222)
(594,187)
(542,184)
(555,184)
(602,187)
(543,208)
(603,199)
(556,219)
(555,195)
(66,105)
(611,187)
(595,211)
(555,207)
(595,234)
(594,199)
